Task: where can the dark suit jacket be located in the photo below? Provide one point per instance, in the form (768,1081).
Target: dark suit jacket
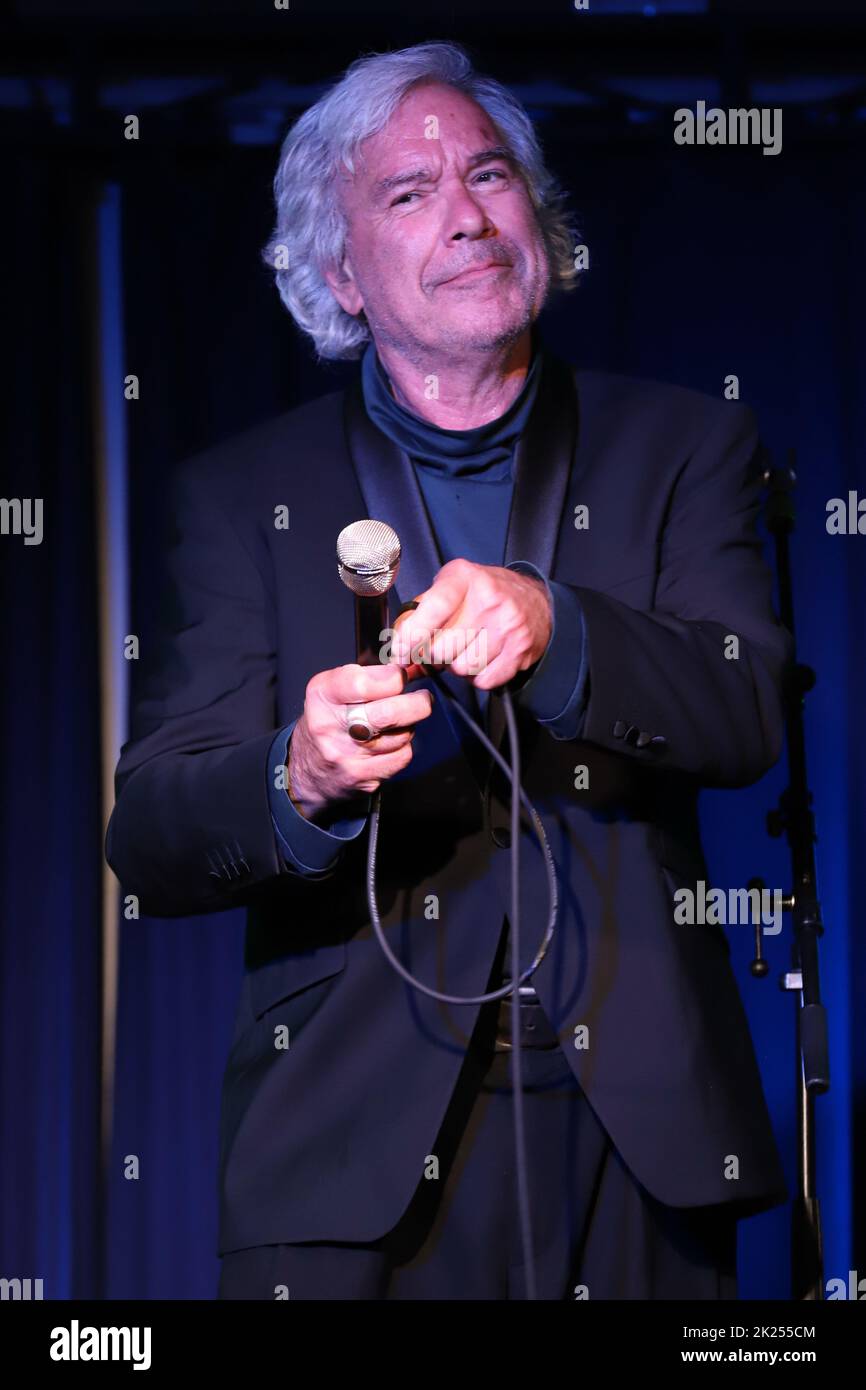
(327,1140)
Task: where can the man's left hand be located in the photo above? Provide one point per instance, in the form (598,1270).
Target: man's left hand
(484,621)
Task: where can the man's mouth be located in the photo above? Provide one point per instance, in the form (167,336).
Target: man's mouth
(476,272)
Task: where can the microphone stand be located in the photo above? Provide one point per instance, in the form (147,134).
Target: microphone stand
(793,817)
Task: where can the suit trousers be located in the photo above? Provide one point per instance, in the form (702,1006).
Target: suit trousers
(597,1233)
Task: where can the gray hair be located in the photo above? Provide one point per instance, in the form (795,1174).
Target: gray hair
(310,231)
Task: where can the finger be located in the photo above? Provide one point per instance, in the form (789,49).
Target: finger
(477,653)
(448,643)
(368,775)
(437,606)
(400,711)
(498,673)
(467,646)
(355,685)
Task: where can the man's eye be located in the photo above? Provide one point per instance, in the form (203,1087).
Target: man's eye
(500,174)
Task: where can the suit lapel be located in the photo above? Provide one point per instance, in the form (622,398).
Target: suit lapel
(542,468)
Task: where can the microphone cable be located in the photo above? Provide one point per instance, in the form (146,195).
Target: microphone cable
(518,796)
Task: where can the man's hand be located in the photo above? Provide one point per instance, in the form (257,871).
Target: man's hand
(326,764)
(486,622)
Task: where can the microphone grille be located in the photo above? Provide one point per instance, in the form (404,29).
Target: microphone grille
(368,557)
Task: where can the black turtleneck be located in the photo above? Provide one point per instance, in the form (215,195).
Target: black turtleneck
(466,476)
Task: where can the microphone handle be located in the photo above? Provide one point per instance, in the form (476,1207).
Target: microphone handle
(372,620)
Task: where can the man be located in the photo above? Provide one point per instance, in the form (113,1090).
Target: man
(599,534)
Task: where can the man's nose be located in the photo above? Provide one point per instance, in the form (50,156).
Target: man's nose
(467,217)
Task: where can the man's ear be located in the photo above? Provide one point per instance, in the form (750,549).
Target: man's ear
(341,283)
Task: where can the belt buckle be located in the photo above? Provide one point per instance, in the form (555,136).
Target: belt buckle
(527,995)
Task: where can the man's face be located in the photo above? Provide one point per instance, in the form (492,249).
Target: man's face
(444,251)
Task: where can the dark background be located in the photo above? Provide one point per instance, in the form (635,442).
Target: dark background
(704,262)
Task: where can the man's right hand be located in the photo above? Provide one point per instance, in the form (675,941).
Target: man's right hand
(325,764)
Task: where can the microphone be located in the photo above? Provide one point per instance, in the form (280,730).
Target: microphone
(368,558)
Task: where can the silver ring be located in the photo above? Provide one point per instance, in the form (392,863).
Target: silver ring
(358,723)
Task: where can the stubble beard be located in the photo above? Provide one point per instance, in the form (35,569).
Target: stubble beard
(454,339)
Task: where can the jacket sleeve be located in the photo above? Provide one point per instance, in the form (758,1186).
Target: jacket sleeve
(695,684)
(192,830)
(313,850)
(555,692)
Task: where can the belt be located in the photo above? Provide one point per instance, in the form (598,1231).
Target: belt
(536,1030)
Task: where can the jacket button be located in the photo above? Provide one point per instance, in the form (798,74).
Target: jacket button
(642,740)
(632,734)
(619,729)
(658,742)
